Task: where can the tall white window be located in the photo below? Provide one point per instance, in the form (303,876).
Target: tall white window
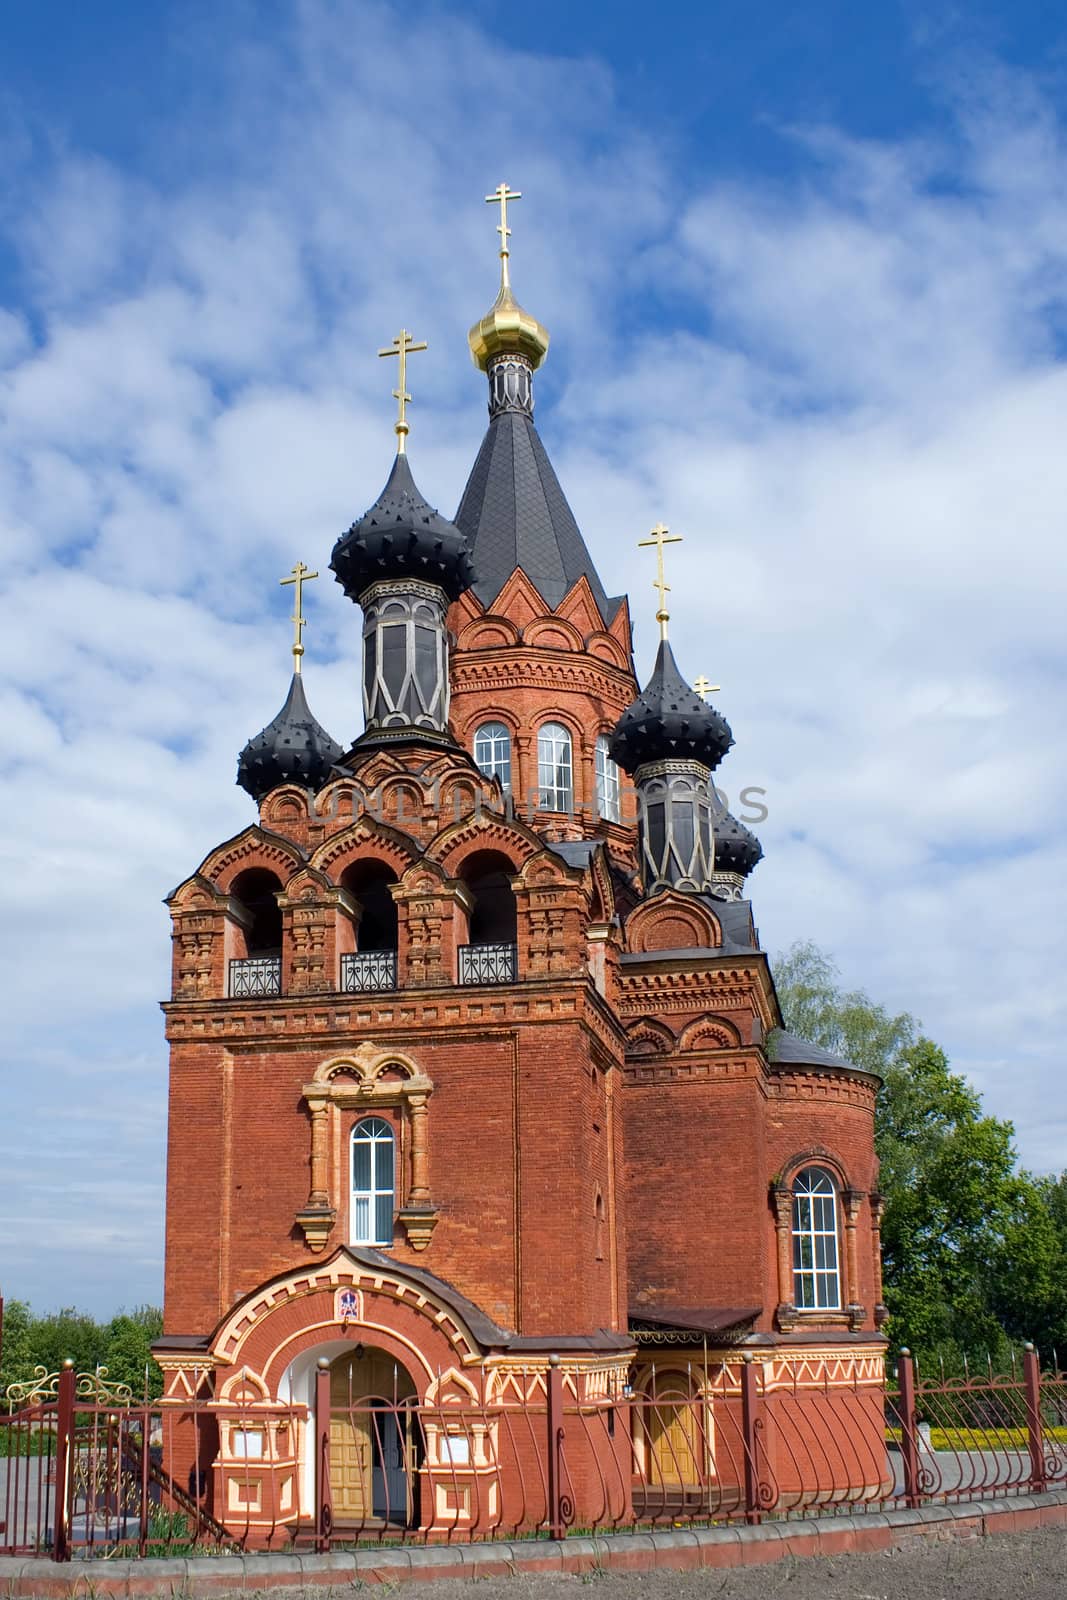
(373,1167)
(492,752)
(816,1276)
(607,782)
(555,768)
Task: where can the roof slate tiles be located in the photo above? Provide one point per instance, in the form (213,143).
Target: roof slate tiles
(515,514)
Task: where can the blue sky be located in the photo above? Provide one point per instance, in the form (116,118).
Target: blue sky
(804,270)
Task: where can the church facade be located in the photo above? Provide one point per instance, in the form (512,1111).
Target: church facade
(477,1067)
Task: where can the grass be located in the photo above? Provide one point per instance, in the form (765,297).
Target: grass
(169,1534)
(22,1441)
(974,1439)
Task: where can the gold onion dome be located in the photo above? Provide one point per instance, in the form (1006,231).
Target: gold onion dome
(507,330)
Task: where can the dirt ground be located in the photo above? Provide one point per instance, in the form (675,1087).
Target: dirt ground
(1030,1566)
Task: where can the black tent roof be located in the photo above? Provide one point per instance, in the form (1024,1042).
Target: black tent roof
(515,514)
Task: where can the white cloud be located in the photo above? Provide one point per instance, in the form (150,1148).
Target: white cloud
(847,398)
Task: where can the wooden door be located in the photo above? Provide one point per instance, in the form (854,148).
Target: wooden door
(350,1452)
(674,1440)
(368,1458)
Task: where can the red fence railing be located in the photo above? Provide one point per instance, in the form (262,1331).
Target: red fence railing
(85,1472)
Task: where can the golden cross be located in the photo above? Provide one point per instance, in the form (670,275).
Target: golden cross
(500,197)
(659,537)
(704,688)
(402,346)
(300,576)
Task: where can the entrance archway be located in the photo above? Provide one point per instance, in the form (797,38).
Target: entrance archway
(375,1439)
(671,1428)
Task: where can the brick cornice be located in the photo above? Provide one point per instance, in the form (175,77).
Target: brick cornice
(541,669)
(695,982)
(828,1084)
(329,1020)
(679,1070)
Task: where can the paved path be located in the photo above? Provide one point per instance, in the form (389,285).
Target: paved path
(1030,1566)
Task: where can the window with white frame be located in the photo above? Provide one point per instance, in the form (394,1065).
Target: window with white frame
(555,767)
(492,752)
(816,1275)
(373,1182)
(607,782)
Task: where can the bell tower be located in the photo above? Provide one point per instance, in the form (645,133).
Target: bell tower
(543,666)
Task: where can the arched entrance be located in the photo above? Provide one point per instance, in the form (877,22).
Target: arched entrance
(671,1428)
(375,1439)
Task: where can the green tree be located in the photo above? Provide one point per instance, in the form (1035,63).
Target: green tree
(67,1335)
(848,1024)
(973,1255)
(127,1350)
(122,1345)
(16,1358)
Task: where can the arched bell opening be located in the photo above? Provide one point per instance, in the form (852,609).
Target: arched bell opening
(255,967)
(255,891)
(491,954)
(373,964)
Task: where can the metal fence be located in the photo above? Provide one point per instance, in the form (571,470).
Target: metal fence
(255,976)
(488,963)
(368,970)
(87,1471)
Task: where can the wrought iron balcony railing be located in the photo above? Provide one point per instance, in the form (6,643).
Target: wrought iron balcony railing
(368,969)
(488,963)
(255,976)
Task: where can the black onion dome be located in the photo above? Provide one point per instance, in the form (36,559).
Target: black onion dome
(669,722)
(293,748)
(736,847)
(402,537)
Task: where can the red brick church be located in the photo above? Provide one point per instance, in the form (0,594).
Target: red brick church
(477,1064)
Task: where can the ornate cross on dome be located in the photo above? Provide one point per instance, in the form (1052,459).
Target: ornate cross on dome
(660,536)
(500,197)
(704,688)
(300,576)
(402,346)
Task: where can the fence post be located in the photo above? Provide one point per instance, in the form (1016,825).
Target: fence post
(1034,1436)
(749,1433)
(909,1429)
(146,1464)
(64,1473)
(323,1498)
(554,1422)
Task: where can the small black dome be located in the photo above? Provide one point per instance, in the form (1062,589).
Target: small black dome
(669,722)
(402,537)
(736,847)
(291,749)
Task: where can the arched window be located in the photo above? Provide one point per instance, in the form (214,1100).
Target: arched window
(816,1277)
(373,1182)
(607,782)
(492,752)
(555,770)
